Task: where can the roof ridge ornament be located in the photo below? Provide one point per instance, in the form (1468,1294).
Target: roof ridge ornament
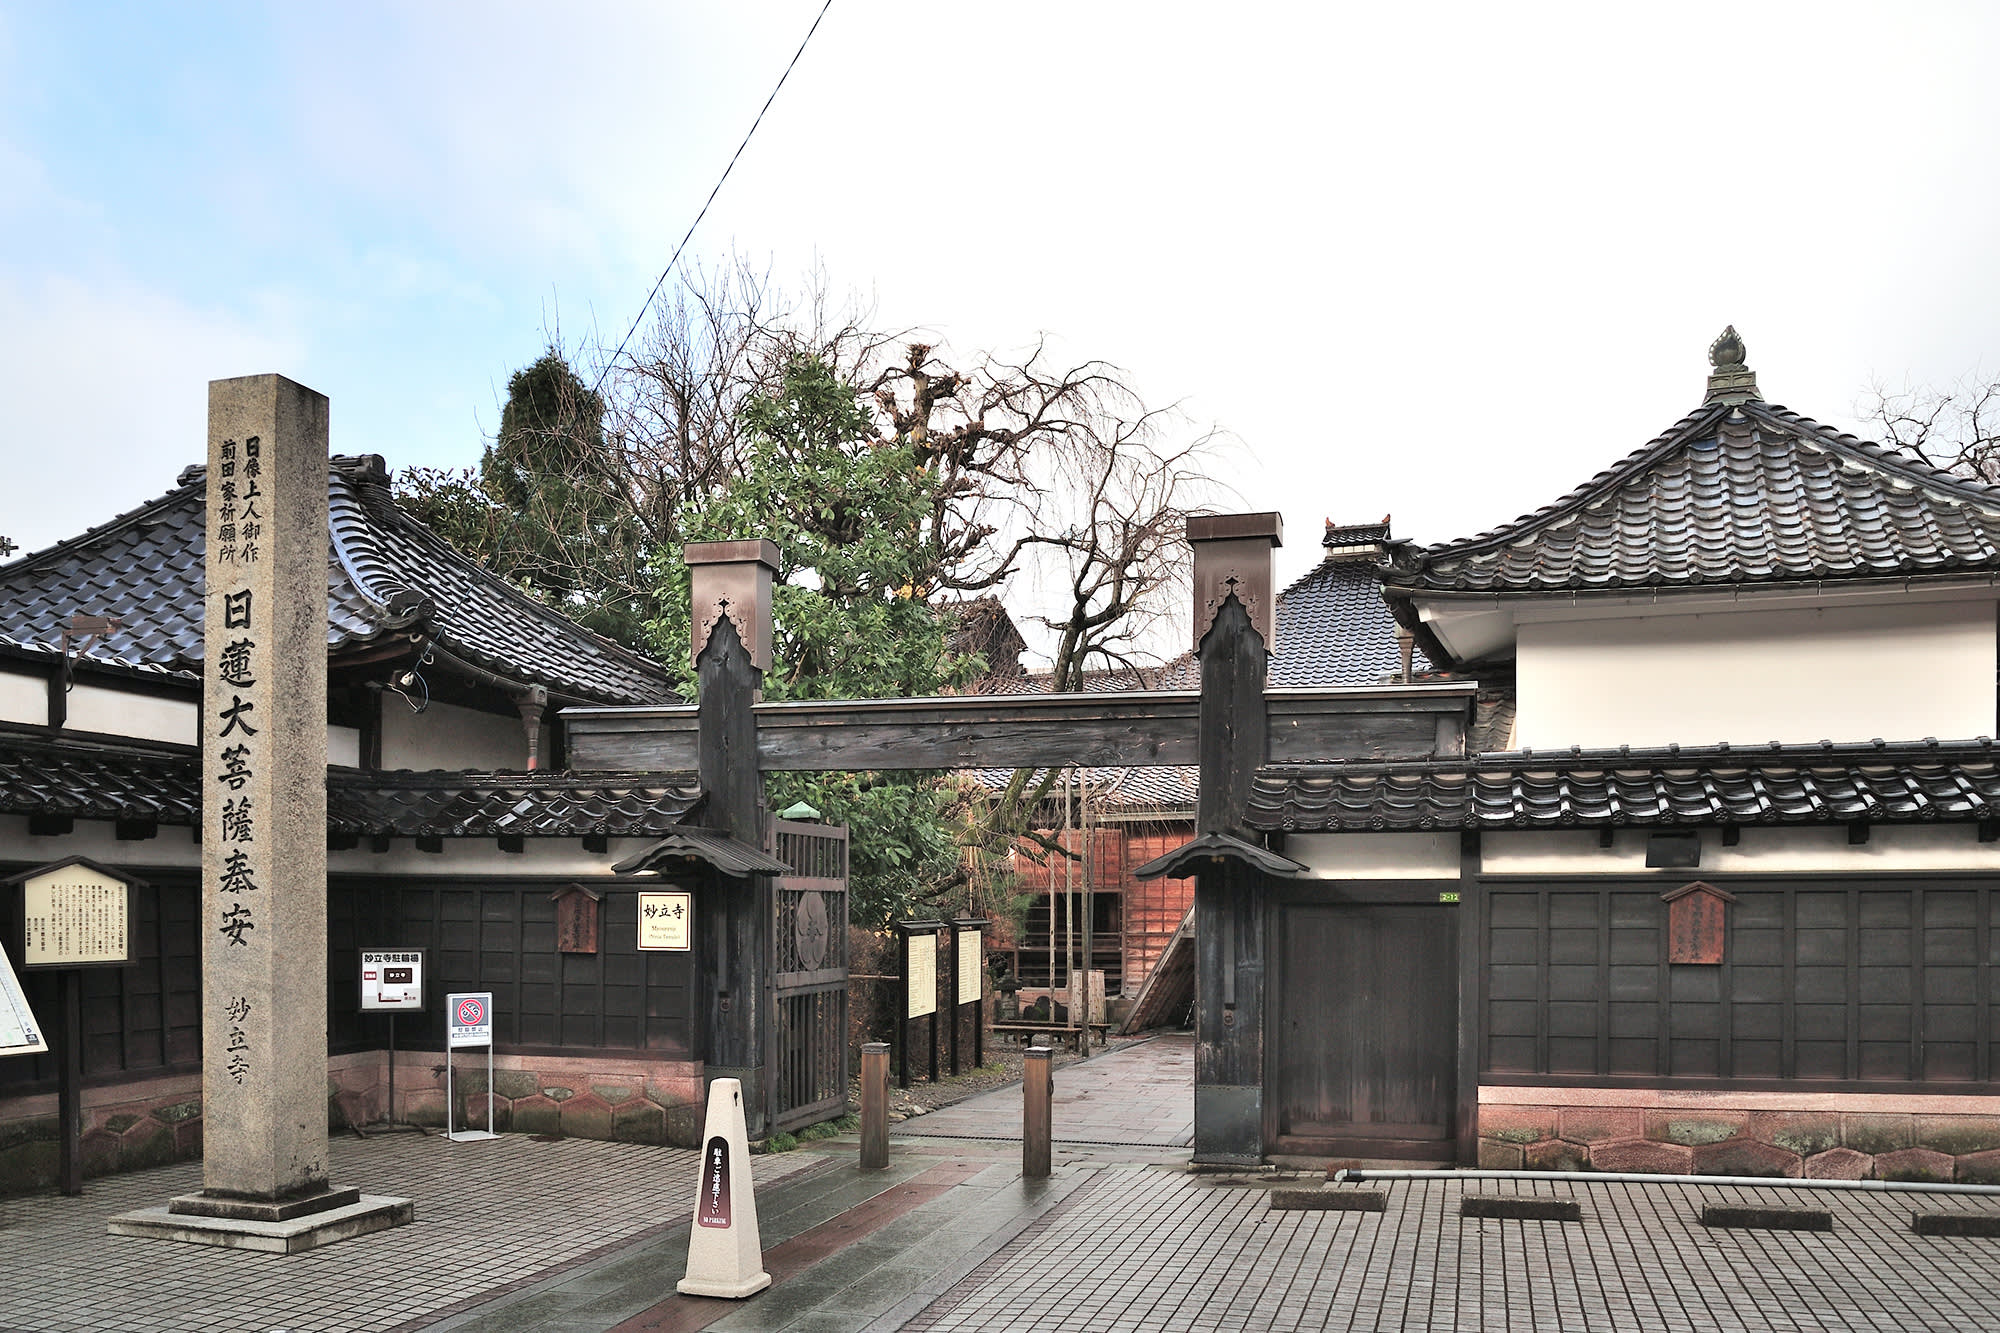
(1732,381)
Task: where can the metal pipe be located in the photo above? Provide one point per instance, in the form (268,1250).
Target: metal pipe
(1350,1174)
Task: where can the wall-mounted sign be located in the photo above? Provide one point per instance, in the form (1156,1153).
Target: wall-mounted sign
(75,913)
(1697,928)
(392,979)
(20,1033)
(922,974)
(666,920)
(469,1019)
(969,964)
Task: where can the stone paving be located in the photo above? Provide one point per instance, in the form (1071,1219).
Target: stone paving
(489,1214)
(574,1236)
(1137,1095)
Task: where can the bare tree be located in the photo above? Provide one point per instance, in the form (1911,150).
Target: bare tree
(1957,429)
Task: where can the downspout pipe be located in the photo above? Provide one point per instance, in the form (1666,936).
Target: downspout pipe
(1352,1175)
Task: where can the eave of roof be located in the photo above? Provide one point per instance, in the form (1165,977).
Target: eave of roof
(1913,782)
(719,851)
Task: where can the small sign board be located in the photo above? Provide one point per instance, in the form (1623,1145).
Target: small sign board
(75,913)
(20,1033)
(969,967)
(922,974)
(469,1019)
(392,979)
(666,921)
(715,1194)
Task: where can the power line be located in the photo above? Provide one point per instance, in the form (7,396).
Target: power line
(648,303)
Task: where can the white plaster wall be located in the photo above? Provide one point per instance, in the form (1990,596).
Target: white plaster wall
(343,746)
(483,857)
(1376,855)
(24,698)
(1917,847)
(97,840)
(447,736)
(1848,673)
(122,713)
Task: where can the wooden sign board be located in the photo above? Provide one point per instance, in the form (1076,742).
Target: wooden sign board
(576,919)
(75,913)
(666,921)
(921,962)
(1696,923)
(969,967)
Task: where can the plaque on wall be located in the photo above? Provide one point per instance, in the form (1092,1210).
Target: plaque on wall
(666,921)
(576,918)
(75,913)
(1696,922)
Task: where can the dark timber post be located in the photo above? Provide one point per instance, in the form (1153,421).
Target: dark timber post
(731,644)
(1038,1109)
(1234,620)
(874,1105)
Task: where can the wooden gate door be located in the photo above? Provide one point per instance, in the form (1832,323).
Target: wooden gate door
(809,949)
(1364,1049)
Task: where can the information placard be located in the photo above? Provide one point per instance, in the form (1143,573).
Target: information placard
(923,975)
(20,1033)
(969,964)
(469,1019)
(75,913)
(665,920)
(392,979)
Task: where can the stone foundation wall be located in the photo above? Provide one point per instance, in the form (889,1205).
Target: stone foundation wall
(629,1101)
(150,1122)
(1823,1136)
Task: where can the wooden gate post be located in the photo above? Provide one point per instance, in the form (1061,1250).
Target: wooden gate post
(1235,629)
(730,629)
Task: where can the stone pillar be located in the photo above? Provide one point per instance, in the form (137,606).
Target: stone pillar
(263,897)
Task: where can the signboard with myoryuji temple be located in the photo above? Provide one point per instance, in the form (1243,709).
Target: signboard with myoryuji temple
(263,920)
(75,913)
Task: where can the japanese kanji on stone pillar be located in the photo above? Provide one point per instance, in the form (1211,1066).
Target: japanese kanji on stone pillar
(263,898)
(263,901)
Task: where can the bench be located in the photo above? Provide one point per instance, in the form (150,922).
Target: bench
(1070,1036)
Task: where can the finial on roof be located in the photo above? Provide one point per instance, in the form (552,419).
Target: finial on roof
(1732,381)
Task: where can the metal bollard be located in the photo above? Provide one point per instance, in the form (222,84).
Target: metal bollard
(875,1105)
(1038,1091)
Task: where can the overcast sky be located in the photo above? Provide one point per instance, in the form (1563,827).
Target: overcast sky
(1445,261)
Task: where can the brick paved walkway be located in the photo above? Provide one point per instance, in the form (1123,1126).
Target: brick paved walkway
(572,1236)
(489,1215)
(1163,1250)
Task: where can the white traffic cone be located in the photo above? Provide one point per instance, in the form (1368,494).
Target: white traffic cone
(725,1257)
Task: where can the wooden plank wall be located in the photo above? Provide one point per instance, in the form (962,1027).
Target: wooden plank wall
(1823,983)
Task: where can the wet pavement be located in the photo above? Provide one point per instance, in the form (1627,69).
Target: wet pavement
(574,1236)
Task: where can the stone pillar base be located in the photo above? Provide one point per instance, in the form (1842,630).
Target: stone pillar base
(289,1235)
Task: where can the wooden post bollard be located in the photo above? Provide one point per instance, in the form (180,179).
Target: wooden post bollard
(874,1105)
(1038,1091)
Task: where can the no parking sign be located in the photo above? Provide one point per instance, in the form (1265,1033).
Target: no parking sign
(469,1019)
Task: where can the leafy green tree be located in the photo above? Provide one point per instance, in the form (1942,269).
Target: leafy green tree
(547,508)
(847,510)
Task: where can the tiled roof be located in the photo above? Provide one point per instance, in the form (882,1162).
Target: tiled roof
(1798,784)
(726,854)
(537,805)
(40,775)
(1335,629)
(387,575)
(1736,494)
(1115,791)
(43,776)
